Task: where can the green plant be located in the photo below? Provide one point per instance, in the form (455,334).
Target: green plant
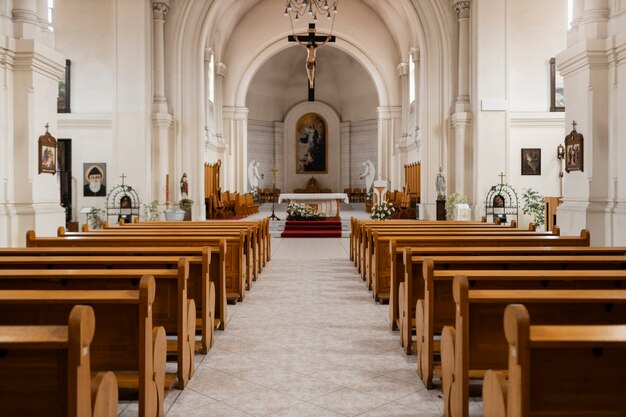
(534,206)
(151,211)
(185,204)
(382,210)
(94,217)
(451,201)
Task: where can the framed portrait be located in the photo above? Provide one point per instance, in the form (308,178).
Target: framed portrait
(47,153)
(574,152)
(63,100)
(311,144)
(557,99)
(531,161)
(94,179)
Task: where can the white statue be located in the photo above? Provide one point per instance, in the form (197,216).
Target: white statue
(253,174)
(440,185)
(368,174)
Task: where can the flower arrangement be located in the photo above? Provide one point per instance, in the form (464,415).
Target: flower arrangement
(298,211)
(94,217)
(256,195)
(534,206)
(382,210)
(151,211)
(451,201)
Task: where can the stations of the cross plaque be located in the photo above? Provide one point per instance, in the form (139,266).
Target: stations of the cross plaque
(311,42)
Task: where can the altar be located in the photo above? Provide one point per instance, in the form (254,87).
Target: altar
(326,203)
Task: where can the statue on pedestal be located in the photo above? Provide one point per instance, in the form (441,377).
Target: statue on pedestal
(184,186)
(440,185)
(253,174)
(369,173)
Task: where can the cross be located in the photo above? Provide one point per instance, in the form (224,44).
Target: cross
(310,42)
(123,177)
(47,126)
(574,124)
(274,171)
(501,177)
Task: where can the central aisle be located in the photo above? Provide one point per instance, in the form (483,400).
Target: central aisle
(307,341)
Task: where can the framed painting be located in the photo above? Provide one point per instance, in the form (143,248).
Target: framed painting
(94,179)
(574,152)
(63,99)
(311,144)
(531,161)
(47,153)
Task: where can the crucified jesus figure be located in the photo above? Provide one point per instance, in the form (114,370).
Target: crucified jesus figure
(311,50)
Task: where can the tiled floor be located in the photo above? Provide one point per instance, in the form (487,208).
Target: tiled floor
(308,341)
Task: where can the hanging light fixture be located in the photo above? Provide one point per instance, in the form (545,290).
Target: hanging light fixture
(298,8)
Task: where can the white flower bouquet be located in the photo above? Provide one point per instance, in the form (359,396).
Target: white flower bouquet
(382,210)
(298,211)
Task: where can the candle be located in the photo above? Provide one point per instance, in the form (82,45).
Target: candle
(167,188)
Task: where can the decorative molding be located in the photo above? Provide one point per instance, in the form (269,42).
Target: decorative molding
(84,121)
(462,9)
(537,120)
(402,69)
(160,8)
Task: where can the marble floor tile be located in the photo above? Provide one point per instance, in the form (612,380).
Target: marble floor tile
(348,402)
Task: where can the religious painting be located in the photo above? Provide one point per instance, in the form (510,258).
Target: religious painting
(574,151)
(531,161)
(63,99)
(557,98)
(311,144)
(94,179)
(47,153)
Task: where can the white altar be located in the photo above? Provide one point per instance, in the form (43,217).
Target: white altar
(327,203)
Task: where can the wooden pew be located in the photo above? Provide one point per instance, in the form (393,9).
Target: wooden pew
(261,225)
(559,371)
(385,245)
(253,247)
(412,290)
(477,343)
(202,261)
(234,254)
(60,384)
(438,309)
(171,308)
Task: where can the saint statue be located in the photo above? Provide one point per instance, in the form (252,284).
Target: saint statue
(440,184)
(368,174)
(184,186)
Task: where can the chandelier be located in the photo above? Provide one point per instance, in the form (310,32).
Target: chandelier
(298,8)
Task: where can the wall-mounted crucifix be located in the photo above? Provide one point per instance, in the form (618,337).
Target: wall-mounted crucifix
(311,42)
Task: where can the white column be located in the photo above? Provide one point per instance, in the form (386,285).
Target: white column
(577,18)
(402,70)
(25,19)
(236,137)
(346,166)
(415,56)
(389,127)
(462,117)
(161,119)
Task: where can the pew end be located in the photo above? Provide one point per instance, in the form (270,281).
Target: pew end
(495,394)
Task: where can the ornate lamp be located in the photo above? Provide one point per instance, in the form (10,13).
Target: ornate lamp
(298,8)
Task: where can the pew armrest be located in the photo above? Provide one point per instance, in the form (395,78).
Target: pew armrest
(104,395)
(495,394)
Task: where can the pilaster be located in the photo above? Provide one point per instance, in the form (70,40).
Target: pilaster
(236,137)
(389,127)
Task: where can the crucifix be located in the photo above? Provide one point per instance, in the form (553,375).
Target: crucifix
(502,175)
(311,42)
(123,177)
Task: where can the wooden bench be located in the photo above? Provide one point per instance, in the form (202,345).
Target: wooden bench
(60,384)
(438,309)
(234,255)
(559,371)
(262,226)
(385,245)
(477,343)
(209,296)
(171,308)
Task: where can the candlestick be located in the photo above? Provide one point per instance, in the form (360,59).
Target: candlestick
(167,189)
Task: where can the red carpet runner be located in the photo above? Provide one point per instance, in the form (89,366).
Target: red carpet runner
(312,228)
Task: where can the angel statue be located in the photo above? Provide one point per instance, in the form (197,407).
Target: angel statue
(253,174)
(368,174)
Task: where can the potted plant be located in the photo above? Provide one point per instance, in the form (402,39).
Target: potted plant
(151,211)
(94,217)
(185,204)
(534,206)
(451,201)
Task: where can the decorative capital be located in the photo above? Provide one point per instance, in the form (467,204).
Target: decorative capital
(160,8)
(462,8)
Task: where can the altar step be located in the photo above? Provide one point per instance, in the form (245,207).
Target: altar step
(315,228)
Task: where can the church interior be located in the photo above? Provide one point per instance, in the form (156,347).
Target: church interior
(272,136)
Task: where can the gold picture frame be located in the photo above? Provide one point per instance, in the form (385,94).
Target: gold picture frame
(311,144)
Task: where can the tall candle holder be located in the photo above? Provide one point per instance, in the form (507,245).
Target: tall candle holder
(274,171)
